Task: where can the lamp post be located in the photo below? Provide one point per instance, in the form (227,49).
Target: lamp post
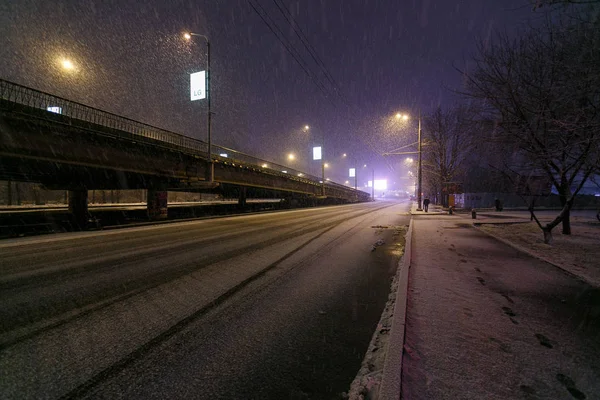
(211,171)
(404,117)
(306,128)
(420,179)
(373,186)
(372,182)
(355,170)
(323,166)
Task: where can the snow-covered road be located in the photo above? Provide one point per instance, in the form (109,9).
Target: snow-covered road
(265,306)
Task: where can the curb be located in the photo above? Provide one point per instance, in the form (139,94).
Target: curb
(536,256)
(391,381)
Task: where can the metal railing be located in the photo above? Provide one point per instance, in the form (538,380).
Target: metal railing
(225,154)
(52,105)
(23,95)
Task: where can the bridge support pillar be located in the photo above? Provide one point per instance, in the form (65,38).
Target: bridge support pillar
(242,198)
(78,206)
(9,193)
(157,204)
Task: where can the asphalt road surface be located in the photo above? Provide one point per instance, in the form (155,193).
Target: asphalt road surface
(269,306)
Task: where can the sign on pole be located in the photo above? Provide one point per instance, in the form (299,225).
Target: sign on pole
(198,85)
(352,172)
(317,153)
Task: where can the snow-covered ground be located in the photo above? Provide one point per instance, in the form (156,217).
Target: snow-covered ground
(488,320)
(578,253)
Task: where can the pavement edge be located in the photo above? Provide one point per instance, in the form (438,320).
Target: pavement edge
(391,381)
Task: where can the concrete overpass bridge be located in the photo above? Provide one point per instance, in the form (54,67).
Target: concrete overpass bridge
(67,145)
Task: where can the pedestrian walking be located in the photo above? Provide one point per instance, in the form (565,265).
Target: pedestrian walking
(498,204)
(426,204)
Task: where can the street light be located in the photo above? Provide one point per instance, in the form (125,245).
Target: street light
(67,64)
(291,157)
(323,165)
(405,117)
(353,172)
(372,182)
(188,36)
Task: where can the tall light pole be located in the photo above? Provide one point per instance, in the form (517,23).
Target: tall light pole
(420,179)
(323,166)
(373,186)
(372,182)
(355,170)
(420,166)
(306,128)
(211,171)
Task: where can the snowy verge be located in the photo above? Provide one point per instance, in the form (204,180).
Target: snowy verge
(380,372)
(576,255)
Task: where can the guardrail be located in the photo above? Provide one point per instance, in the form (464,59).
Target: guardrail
(23,95)
(225,154)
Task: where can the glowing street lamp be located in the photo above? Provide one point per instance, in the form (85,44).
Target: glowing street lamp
(291,157)
(373,180)
(67,64)
(319,154)
(405,117)
(188,36)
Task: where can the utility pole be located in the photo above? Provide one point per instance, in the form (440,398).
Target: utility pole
(323,166)
(420,177)
(211,167)
(373,186)
(211,173)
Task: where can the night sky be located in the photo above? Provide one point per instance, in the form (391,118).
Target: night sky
(382,57)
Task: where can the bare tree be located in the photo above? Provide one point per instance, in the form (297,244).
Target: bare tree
(449,137)
(544,87)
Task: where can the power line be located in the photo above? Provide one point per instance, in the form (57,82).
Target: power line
(295,55)
(300,34)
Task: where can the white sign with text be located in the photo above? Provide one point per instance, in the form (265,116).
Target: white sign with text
(198,85)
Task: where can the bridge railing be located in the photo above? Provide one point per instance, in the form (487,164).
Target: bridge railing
(224,153)
(23,95)
(19,94)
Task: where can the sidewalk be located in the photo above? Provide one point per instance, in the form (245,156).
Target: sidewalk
(434,209)
(485,321)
